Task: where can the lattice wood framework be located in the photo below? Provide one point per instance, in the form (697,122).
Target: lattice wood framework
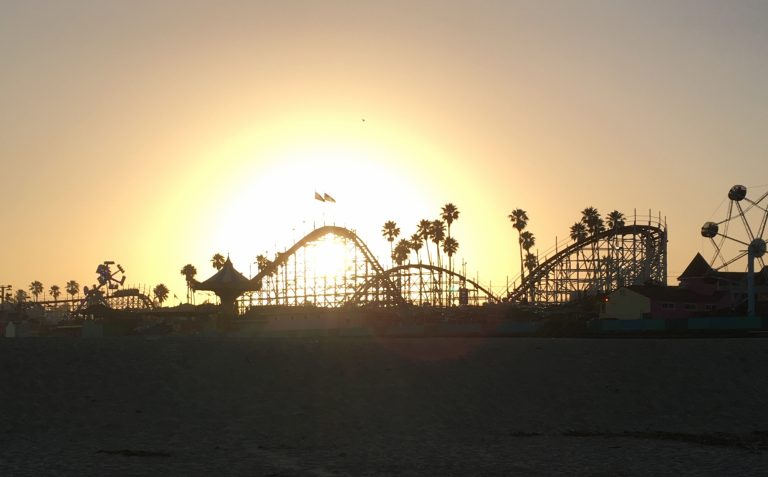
(332,266)
(622,256)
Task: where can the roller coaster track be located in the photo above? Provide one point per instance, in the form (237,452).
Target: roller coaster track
(432,269)
(379,277)
(369,284)
(647,262)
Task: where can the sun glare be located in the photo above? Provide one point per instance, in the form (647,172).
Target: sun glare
(273,202)
(327,258)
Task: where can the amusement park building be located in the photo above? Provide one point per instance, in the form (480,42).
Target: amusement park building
(702,291)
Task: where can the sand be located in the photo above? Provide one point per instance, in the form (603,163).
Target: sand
(366,406)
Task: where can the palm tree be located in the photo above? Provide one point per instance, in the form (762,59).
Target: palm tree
(527,240)
(591,218)
(578,232)
(401,251)
(161,293)
(36,288)
(450,246)
(450,213)
(262,262)
(21,296)
(55,291)
(415,244)
(390,231)
(531,262)
(519,219)
(424,230)
(189,271)
(438,235)
(615,220)
(72,288)
(217,261)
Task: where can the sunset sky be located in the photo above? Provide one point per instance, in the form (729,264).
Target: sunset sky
(157,133)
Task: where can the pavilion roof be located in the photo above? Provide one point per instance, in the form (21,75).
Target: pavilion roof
(226,279)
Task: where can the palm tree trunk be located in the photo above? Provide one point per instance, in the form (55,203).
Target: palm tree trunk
(520,247)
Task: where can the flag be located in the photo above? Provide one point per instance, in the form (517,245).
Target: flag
(328,198)
(319,197)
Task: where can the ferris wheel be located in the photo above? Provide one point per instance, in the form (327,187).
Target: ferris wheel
(742,233)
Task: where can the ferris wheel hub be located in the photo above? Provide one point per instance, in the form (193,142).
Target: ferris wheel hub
(757,247)
(737,193)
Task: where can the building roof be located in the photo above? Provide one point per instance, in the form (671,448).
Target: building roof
(674,294)
(697,268)
(226,279)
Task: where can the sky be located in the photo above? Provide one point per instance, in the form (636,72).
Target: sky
(157,133)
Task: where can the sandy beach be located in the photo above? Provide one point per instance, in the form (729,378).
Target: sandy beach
(367,406)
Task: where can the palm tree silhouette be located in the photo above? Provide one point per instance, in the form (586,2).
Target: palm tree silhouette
(217,261)
(390,231)
(415,245)
(36,288)
(437,233)
(450,246)
(449,214)
(424,230)
(401,251)
(161,293)
(55,292)
(189,271)
(527,240)
(579,232)
(615,220)
(21,296)
(591,218)
(531,262)
(519,219)
(72,288)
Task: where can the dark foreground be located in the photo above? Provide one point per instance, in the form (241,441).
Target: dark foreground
(169,406)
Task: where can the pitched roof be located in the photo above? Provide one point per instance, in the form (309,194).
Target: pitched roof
(226,279)
(697,268)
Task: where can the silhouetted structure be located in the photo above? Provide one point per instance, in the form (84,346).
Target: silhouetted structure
(628,254)
(227,284)
(306,274)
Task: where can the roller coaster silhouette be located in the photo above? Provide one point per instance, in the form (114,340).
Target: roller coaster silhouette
(306,275)
(597,264)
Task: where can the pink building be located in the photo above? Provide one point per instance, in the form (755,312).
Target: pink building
(703,291)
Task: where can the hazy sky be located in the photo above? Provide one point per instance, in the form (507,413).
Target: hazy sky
(155,133)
